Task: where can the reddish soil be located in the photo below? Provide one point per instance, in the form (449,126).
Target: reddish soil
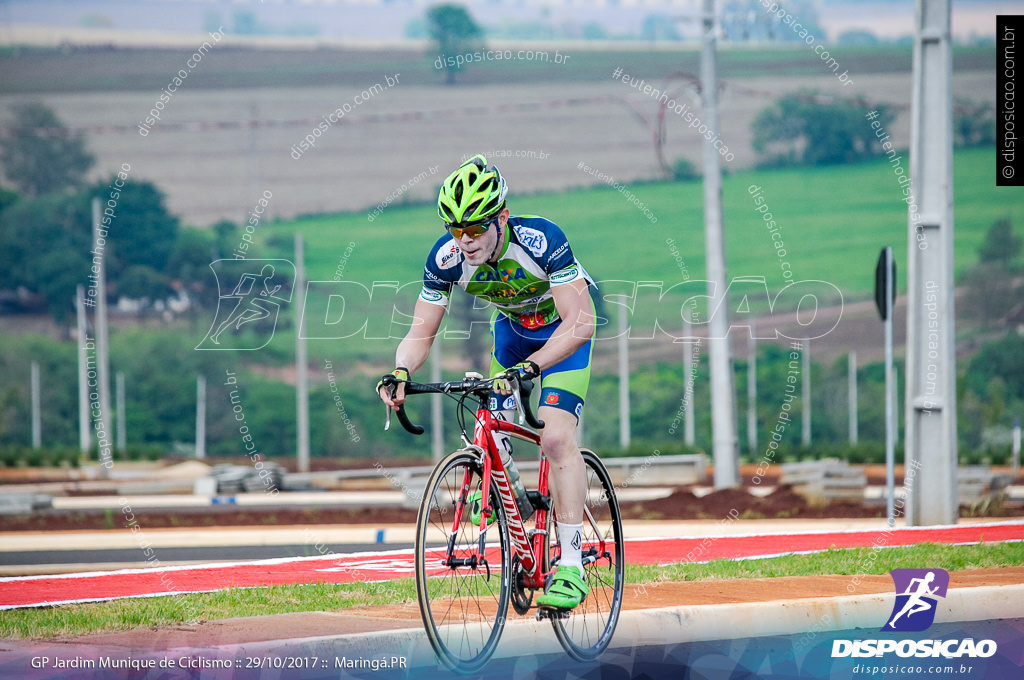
(681,505)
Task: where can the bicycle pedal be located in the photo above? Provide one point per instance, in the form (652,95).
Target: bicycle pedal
(553,613)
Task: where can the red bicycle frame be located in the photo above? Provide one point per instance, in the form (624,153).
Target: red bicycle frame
(531,557)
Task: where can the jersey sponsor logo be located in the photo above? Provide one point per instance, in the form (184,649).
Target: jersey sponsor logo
(570,273)
(532,321)
(579,409)
(558,251)
(534,240)
(432,276)
(448,257)
(552,399)
(431,295)
(510,274)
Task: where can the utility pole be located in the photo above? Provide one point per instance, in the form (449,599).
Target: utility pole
(201,417)
(723,400)
(624,433)
(805,397)
(689,434)
(752,391)
(102,345)
(931,434)
(84,434)
(851,393)
(37,423)
(122,435)
(301,360)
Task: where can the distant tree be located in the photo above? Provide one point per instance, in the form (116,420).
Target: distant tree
(684,170)
(7,198)
(807,128)
(47,243)
(1001,246)
(974,123)
(454,33)
(991,290)
(142,231)
(41,155)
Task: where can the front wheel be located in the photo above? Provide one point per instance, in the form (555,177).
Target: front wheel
(586,631)
(463,595)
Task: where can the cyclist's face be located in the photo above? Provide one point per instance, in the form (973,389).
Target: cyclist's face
(478,249)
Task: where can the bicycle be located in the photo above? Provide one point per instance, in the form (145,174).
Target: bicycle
(464,585)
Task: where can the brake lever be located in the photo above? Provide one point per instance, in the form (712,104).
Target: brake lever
(519,402)
(387,417)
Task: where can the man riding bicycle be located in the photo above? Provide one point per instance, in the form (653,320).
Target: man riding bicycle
(543,326)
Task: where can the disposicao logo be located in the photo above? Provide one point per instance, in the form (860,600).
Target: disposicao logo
(913,611)
(915,605)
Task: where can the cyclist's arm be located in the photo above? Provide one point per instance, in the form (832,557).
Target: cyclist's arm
(572,300)
(415,346)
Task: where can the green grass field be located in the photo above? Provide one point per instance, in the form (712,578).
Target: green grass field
(832,221)
(80,619)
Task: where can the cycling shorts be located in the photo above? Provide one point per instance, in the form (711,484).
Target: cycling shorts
(563,386)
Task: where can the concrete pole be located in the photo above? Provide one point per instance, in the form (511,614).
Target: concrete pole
(122,436)
(752,391)
(624,432)
(890,395)
(1016,447)
(301,361)
(851,392)
(84,433)
(689,430)
(102,340)
(930,419)
(723,401)
(201,417)
(805,398)
(37,423)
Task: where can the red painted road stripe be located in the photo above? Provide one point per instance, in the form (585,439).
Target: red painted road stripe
(32,591)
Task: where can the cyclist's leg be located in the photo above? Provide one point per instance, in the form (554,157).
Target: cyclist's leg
(564,388)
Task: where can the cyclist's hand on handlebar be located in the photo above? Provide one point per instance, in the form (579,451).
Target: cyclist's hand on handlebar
(526,370)
(391,387)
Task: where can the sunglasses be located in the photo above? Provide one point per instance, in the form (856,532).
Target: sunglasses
(471,230)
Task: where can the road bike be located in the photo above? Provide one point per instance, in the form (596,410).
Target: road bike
(474,555)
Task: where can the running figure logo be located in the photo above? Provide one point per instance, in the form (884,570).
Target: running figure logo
(915,605)
(258,288)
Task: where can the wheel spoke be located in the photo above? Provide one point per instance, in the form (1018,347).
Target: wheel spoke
(461,606)
(586,632)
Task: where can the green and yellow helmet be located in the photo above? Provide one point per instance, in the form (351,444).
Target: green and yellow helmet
(473,193)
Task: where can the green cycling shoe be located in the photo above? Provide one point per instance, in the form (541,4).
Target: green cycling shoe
(473,501)
(567,589)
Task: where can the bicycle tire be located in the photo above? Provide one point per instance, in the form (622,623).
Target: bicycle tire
(587,630)
(463,608)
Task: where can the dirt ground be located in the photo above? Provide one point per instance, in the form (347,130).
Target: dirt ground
(683,504)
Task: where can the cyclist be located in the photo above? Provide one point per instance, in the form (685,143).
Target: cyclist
(543,326)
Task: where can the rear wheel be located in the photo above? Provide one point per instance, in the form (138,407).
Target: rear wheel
(463,596)
(586,631)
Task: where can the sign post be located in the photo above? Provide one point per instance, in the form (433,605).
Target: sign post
(885,296)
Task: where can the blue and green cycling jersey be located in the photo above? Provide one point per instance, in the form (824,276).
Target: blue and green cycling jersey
(535,256)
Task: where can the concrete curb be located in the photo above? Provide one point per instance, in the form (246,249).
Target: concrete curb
(809,617)
(664,626)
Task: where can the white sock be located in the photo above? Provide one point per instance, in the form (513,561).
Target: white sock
(570,537)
